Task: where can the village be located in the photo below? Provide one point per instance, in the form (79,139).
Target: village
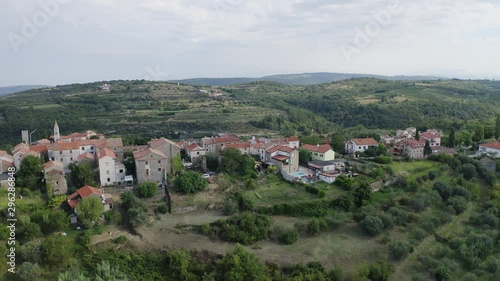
(154,162)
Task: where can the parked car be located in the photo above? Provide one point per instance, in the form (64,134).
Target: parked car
(206,176)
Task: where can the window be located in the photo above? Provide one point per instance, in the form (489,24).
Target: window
(159,169)
(147,163)
(60,152)
(83,148)
(53,159)
(107,172)
(61,160)
(321,155)
(147,172)
(109,179)
(159,161)
(71,159)
(197,153)
(121,171)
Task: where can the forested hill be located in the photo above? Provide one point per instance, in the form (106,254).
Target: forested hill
(298,79)
(147,109)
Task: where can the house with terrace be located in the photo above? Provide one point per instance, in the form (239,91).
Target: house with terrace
(359,145)
(285,158)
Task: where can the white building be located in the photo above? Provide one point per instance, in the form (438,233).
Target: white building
(107,167)
(359,145)
(492,149)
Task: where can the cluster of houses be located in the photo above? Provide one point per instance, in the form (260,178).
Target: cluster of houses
(154,161)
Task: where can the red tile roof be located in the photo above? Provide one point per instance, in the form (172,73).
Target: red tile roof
(280,157)
(139,155)
(492,145)
(87,155)
(224,140)
(60,146)
(194,146)
(87,190)
(429,135)
(238,145)
(317,148)
(292,139)
(51,164)
(39,148)
(161,141)
(280,148)
(106,152)
(366,141)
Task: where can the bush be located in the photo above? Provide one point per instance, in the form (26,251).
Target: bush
(147,189)
(316,226)
(372,225)
(120,240)
(190,182)
(458,203)
(399,250)
(244,228)
(288,237)
(443,274)
(230,207)
(162,208)
(113,217)
(383,159)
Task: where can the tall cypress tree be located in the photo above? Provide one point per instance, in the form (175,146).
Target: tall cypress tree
(451,138)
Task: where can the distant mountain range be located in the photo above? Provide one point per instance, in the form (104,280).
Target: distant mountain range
(4,91)
(298,79)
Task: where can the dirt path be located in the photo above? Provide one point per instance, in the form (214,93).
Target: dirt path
(401,273)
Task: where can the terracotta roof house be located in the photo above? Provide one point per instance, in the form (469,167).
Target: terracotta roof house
(216,145)
(286,158)
(491,148)
(86,192)
(410,148)
(359,145)
(151,165)
(321,152)
(434,139)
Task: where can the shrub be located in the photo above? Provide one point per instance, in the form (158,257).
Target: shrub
(147,189)
(315,226)
(113,217)
(458,203)
(288,237)
(244,228)
(190,182)
(443,274)
(120,240)
(383,159)
(372,225)
(399,250)
(162,208)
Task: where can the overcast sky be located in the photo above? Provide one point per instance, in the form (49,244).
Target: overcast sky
(67,41)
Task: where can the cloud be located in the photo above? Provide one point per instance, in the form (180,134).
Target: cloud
(101,39)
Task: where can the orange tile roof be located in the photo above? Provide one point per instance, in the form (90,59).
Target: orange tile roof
(106,152)
(492,145)
(317,148)
(161,141)
(87,155)
(292,139)
(194,146)
(64,146)
(139,155)
(39,148)
(224,140)
(87,190)
(366,141)
(429,135)
(54,164)
(238,145)
(280,148)
(280,157)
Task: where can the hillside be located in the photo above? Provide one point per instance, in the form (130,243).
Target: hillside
(150,109)
(299,79)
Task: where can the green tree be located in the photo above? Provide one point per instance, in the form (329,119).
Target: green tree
(451,138)
(479,132)
(417,135)
(147,189)
(236,164)
(129,162)
(30,174)
(190,182)
(304,156)
(179,263)
(427,148)
(89,210)
(212,162)
(55,250)
(373,225)
(29,271)
(362,194)
(400,250)
(82,174)
(337,143)
(104,272)
(469,171)
(240,265)
(177,165)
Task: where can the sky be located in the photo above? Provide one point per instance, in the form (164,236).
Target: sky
(54,42)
